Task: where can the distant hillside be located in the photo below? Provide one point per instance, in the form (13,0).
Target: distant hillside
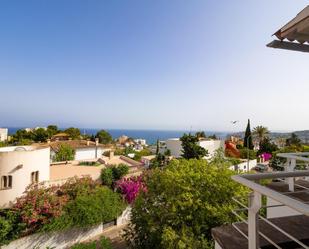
(303,135)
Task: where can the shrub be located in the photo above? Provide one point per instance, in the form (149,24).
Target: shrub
(131,187)
(86,163)
(103,205)
(64,153)
(107,177)
(244,155)
(183,202)
(120,171)
(113,173)
(11,226)
(79,202)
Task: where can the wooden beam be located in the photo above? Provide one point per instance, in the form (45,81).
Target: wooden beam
(289,46)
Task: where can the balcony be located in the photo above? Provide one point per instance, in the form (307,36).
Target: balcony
(285,202)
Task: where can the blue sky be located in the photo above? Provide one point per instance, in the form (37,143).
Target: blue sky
(164,64)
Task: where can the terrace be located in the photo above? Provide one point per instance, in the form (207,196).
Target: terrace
(285,222)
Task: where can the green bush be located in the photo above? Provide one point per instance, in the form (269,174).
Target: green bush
(86,163)
(80,202)
(244,154)
(11,226)
(107,177)
(183,202)
(113,173)
(102,205)
(64,153)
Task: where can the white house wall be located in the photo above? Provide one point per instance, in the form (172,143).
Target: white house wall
(20,165)
(87,153)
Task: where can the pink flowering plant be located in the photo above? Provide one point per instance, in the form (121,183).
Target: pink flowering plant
(266,156)
(131,187)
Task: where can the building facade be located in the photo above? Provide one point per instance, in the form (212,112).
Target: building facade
(19,167)
(3,134)
(175,147)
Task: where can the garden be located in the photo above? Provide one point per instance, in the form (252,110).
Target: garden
(79,203)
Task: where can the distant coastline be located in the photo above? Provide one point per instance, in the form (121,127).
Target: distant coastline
(151,136)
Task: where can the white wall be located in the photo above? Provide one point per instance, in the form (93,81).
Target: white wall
(244,165)
(3,134)
(87,153)
(211,146)
(84,153)
(20,164)
(174,145)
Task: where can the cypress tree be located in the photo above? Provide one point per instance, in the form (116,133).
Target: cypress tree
(248,138)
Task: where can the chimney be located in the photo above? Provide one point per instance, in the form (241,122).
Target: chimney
(88,142)
(111,154)
(96,142)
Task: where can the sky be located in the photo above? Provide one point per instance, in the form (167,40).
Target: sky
(157,64)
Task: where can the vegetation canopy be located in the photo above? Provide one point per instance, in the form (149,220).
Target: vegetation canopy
(182,203)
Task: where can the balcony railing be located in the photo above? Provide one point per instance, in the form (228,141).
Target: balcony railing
(290,198)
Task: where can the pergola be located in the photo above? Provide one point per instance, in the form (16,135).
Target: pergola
(295,34)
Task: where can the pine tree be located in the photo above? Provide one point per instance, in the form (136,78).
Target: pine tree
(248,137)
(157,150)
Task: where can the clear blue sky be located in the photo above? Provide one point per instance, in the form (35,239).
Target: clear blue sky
(163,64)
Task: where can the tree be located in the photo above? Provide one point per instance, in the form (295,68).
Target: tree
(267,146)
(183,202)
(64,153)
(261,132)
(104,137)
(214,137)
(200,134)
(113,173)
(74,133)
(158,147)
(52,130)
(40,135)
(293,141)
(190,148)
(248,137)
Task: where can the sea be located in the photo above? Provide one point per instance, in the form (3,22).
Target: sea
(151,136)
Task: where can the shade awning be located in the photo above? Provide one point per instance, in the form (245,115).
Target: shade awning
(297,29)
(295,34)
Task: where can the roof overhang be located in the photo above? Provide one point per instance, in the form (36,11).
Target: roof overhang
(295,34)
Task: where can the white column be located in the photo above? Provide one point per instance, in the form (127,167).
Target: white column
(290,168)
(255,203)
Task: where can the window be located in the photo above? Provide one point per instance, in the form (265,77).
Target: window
(35,177)
(6,182)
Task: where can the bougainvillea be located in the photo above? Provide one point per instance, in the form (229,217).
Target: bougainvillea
(40,204)
(266,156)
(131,187)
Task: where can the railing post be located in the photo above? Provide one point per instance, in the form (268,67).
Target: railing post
(255,203)
(291,163)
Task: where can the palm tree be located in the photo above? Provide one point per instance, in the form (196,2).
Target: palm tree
(261,132)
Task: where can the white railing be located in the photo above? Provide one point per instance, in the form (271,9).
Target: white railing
(255,199)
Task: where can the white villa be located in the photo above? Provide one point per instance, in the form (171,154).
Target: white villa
(19,167)
(211,145)
(84,149)
(3,134)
